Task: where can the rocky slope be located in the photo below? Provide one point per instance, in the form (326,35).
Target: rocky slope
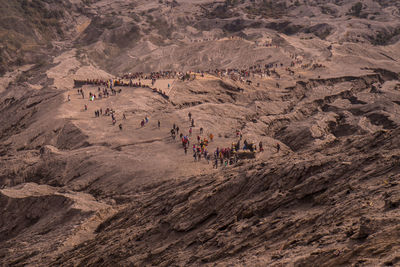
(76,190)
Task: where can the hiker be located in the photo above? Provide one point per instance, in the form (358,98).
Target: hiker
(211,137)
(159,124)
(201,130)
(85,107)
(173,134)
(146,119)
(198,138)
(195,156)
(278,147)
(190,116)
(253,148)
(246,145)
(215,161)
(260,145)
(120,126)
(177,129)
(190,131)
(142,123)
(192,122)
(173,126)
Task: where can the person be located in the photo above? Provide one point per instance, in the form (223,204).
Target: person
(211,137)
(146,119)
(173,126)
(198,138)
(190,131)
(177,129)
(201,130)
(85,107)
(142,123)
(195,156)
(159,124)
(120,126)
(278,147)
(215,161)
(190,116)
(192,122)
(185,148)
(260,145)
(172,133)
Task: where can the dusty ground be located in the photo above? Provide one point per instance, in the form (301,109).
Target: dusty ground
(77,190)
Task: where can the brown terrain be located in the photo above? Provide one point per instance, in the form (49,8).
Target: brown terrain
(75,190)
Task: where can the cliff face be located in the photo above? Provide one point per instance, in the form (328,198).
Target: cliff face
(318,79)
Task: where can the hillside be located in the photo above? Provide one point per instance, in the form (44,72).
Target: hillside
(83,183)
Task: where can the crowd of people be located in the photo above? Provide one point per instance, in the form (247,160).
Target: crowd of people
(241,75)
(200,144)
(152,75)
(111,84)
